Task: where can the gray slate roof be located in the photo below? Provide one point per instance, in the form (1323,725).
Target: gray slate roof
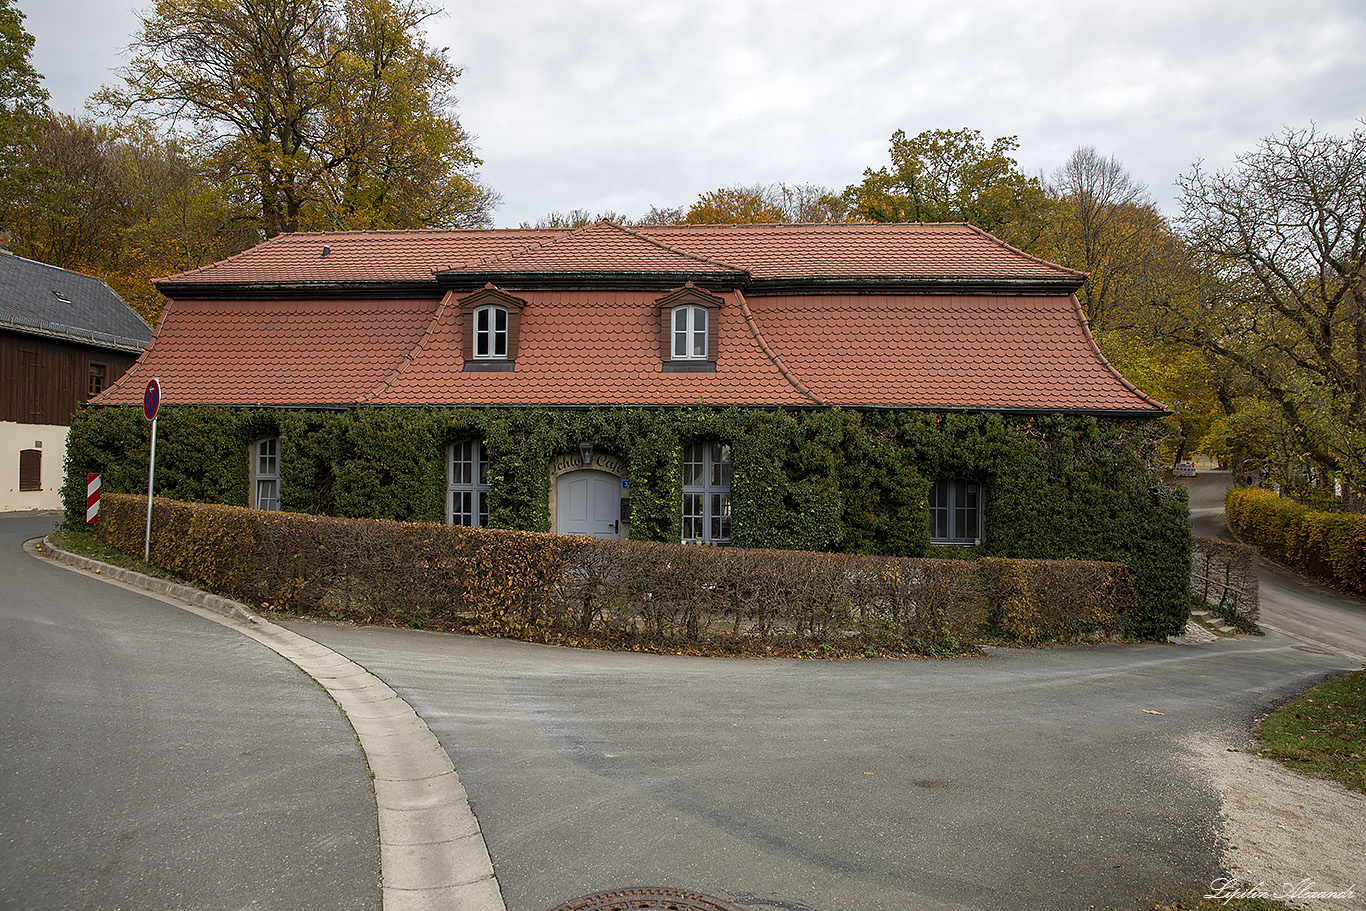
(38,299)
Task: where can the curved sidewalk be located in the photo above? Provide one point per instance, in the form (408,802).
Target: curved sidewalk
(432,852)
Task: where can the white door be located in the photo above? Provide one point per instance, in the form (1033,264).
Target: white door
(588,502)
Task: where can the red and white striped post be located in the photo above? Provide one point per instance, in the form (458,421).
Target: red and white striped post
(92,498)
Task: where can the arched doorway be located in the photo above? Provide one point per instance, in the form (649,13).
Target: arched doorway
(588,502)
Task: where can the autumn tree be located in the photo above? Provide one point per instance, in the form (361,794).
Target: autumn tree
(765,203)
(1105,223)
(127,204)
(1283,238)
(23,103)
(953,176)
(324,113)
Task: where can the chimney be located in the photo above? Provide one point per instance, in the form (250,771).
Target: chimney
(4,242)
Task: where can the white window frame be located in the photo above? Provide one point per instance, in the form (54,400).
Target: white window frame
(956,512)
(467,484)
(706,493)
(689,338)
(266,462)
(490,338)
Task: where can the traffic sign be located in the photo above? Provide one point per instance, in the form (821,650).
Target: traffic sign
(151,399)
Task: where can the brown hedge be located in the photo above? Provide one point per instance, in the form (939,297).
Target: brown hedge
(631,594)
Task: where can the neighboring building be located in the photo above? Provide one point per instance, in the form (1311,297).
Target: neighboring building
(869,318)
(64,337)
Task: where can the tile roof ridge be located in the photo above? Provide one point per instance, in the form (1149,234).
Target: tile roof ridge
(383,386)
(556,235)
(674,250)
(269,241)
(1105,362)
(1017,251)
(771,354)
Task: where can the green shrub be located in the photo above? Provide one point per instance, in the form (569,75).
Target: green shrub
(1327,546)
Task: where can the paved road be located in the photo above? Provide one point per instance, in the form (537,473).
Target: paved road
(151,759)
(1291,604)
(1052,778)
(1026,779)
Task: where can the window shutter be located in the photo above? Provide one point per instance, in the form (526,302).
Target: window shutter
(30,469)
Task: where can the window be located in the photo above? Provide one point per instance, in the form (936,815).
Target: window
(268,474)
(30,469)
(491,322)
(467,488)
(956,512)
(491,333)
(98,373)
(706,493)
(688,330)
(690,333)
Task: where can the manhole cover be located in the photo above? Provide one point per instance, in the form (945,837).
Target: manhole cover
(634,899)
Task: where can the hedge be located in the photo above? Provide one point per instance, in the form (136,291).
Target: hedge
(1327,546)
(826,480)
(563,588)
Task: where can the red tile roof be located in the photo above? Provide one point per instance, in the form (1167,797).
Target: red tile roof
(766,252)
(296,352)
(278,325)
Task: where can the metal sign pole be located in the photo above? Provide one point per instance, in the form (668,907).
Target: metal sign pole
(151,465)
(151,403)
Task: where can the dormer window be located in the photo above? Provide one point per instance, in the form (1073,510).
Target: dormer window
(490,321)
(690,333)
(491,333)
(688,330)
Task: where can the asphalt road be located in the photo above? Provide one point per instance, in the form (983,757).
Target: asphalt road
(151,759)
(1025,779)
(1290,604)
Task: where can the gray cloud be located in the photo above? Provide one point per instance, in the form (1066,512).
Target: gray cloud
(618,105)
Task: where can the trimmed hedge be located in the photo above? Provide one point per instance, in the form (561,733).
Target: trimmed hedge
(562,588)
(829,480)
(1327,546)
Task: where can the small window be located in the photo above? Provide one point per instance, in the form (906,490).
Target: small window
(491,333)
(688,319)
(956,512)
(30,469)
(706,493)
(98,376)
(467,487)
(690,333)
(268,474)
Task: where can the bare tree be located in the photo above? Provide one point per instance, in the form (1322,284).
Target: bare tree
(1283,235)
(1105,225)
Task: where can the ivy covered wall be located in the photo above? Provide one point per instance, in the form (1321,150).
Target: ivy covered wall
(848,481)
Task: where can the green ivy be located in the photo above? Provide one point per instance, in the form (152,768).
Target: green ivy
(1056,487)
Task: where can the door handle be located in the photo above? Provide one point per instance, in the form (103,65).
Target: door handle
(616,526)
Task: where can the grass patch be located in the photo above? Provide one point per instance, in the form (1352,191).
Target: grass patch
(82,541)
(1323,733)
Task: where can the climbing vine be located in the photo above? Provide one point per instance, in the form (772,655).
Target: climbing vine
(1056,487)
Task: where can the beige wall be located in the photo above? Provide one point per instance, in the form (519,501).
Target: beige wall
(14,437)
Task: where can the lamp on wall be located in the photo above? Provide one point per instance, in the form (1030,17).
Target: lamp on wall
(586,451)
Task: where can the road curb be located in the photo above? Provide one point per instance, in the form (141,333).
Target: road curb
(432,851)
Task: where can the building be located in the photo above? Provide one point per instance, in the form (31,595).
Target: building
(921,317)
(64,337)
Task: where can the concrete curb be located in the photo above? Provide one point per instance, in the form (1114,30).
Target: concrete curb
(432,851)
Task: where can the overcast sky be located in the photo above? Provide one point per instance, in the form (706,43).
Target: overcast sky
(617,105)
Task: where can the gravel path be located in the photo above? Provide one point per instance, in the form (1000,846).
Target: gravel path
(1280,828)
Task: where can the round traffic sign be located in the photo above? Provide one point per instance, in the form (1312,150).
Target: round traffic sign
(151,399)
